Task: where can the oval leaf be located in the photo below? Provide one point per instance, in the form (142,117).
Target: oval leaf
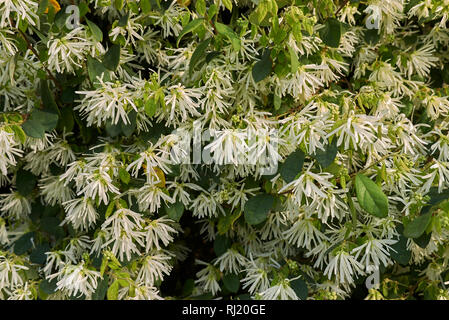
(371,197)
(257,208)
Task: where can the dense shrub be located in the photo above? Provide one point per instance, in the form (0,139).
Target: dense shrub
(259,149)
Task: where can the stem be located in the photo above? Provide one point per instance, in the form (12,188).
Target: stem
(341,7)
(30,46)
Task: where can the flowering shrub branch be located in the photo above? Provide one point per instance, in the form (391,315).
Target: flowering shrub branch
(261,149)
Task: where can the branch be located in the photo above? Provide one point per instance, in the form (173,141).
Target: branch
(30,46)
(341,7)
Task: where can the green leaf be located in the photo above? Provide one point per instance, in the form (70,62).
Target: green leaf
(400,253)
(416,228)
(96,31)
(150,107)
(48,102)
(300,288)
(52,227)
(190,27)
(221,244)
(294,62)
(112,57)
(263,67)
(43,5)
(118,4)
(200,7)
(124,175)
(227,4)
(23,244)
(257,208)
(48,286)
(130,127)
(38,255)
(145,5)
(102,288)
(423,240)
(371,36)
(371,197)
(231,282)
(326,157)
(175,211)
(292,166)
(112,293)
(113,129)
(230,34)
(25,182)
(331,33)
(198,54)
(39,122)
(96,69)
(123,21)
(19,133)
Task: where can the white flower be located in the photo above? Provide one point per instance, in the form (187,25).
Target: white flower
(111,101)
(54,190)
(231,261)
(23,10)
(8,151)
(375,252)
(80,213)
(97,186)
(154,266)
(419,61)
(208,277)
(15,205)
(68,53)
(182,103)
(281,291)
(344,266)
(123,227)
(10,272)
(76,279)
(206,205)
(157,231)
(436,106)
(256,278)
(304,233)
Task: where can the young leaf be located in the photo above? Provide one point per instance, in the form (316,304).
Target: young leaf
(190,27)
(371,197)
(150,107)
(96,31)
(230,34)
(124,175)
(112,293)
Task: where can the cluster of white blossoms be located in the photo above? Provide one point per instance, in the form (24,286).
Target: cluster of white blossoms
(93,118)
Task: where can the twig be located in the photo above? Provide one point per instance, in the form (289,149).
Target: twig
(30,46)
(341,7)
